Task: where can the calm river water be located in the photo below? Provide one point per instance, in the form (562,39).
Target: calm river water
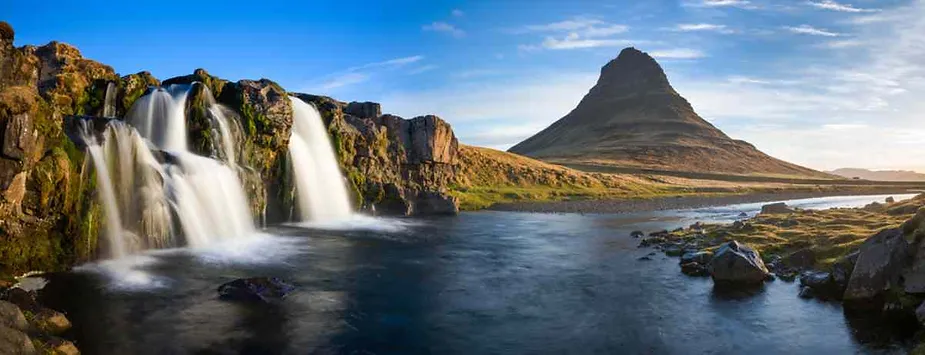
(478,283)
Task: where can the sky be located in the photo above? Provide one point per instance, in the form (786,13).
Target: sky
(822,83)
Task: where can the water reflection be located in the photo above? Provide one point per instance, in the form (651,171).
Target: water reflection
(492,282)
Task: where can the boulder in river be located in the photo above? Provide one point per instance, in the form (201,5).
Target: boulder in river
(776,208)
(737,263)
(263,289)
(890,199)
(637,234)
(878,268)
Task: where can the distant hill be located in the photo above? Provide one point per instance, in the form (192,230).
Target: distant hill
(879,175)
(633,117)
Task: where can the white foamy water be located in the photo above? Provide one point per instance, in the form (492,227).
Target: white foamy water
(322,195)
(155,193)
(359,222)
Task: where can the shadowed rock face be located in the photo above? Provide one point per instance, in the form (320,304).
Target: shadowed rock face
(878,268)
(633,117)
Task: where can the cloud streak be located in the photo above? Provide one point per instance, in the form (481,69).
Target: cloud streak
(835,6)
(812,31)
(443,27)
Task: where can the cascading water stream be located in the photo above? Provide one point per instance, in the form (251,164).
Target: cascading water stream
(155,193)
(322,195)
(160,116)
(109,100)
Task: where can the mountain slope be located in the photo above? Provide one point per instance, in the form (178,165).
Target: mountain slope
(633,117)
(879,175)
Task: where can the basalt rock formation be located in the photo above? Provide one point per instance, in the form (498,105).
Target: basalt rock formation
(50,215)
(633,117)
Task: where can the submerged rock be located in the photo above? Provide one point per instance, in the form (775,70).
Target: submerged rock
(776,208)
(694,268)
(637,234)
(878,267)
(737,263)
(263,289)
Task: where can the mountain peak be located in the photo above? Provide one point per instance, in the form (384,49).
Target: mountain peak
(632,71)
(633,117)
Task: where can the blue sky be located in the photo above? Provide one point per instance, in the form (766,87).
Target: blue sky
(822,83)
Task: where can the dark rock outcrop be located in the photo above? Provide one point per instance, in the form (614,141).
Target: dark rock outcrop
(878,268)
(737,263)
(49,217)
(259,289)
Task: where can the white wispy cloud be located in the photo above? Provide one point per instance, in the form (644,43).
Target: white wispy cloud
(810,30)
(694,27)
(576,33)
(677,53)
(574,41)
(344,80)
(444,28)
(397,62)
(360,73)
(817,115)
(585,27)
(745,4)
(835,6)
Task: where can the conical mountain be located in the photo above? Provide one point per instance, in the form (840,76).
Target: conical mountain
(633,117)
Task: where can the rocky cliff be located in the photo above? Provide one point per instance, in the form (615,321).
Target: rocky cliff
(49,213)
(634,117)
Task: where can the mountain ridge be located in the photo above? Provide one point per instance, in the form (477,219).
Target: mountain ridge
(634,117)
(879,175)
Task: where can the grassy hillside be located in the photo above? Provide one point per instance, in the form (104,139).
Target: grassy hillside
(487,176)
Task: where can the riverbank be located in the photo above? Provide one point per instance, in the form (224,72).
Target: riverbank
(870,258)
(676,202)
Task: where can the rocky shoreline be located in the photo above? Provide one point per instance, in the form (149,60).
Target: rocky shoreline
(28,327)
(675,202)
(878,275)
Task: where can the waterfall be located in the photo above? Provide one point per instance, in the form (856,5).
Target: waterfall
(157,194)
(322,195)
(109,100)
(160,116)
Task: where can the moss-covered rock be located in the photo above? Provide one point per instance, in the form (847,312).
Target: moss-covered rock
(131,87)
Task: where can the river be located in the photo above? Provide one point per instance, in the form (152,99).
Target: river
(479,283)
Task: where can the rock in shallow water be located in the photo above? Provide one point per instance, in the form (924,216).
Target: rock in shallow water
(260,289)
(776,208)
(737,263)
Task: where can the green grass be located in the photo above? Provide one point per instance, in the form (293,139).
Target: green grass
(831,234)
